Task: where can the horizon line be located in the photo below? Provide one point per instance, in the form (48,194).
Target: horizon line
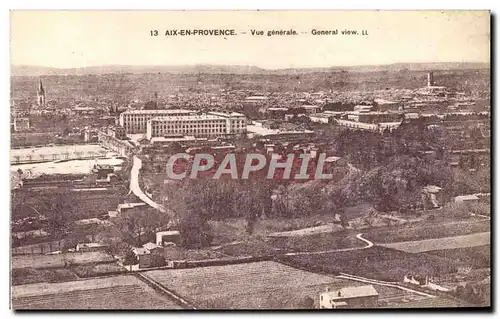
(245,65)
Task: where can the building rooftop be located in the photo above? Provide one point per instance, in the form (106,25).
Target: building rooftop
(159,111)
(432,189)
(162,139)
(466,197)
(307,106)
(257,98)
(150,246)
(140,251)
(168,233)
(322,115)
(384,102)
(231,114)
(332,159)
(130,205)
(352,292)
(186,118)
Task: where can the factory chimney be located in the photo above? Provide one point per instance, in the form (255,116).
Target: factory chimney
(430,79)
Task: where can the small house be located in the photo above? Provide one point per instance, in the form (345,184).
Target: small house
(349,297)
(144,257)
(171,236)
(466,199)
(153,248)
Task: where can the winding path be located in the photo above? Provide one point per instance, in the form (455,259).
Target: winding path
(359,236)
(136,189)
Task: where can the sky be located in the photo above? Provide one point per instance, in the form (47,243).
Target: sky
(69,39)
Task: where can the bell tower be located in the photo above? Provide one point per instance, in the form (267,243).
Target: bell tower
(40,95)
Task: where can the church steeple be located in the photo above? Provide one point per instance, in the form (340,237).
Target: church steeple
(40,88)
(40,94)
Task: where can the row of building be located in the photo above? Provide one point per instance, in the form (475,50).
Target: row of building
(160,123)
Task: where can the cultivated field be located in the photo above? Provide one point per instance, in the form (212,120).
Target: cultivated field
(477,257)
(59,261)
(472,240)
(427,231)
(23,276)
(260,285)
(438,302)
(120,292)
(376,262)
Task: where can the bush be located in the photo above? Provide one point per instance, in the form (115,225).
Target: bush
(130,259)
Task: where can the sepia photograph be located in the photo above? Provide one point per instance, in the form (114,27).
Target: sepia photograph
(320,160)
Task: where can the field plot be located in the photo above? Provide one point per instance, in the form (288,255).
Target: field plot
(472,240)
(477,257)
(438,302)
(376,262)
(121,292)
(421,232)
(59,261)
(260,285)
(22,276)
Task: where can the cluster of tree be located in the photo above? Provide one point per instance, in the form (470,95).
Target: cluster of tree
(150,105)
(476,294)
(367,149)
(385,169)
(138,228)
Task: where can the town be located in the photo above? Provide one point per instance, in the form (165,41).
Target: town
(403,219)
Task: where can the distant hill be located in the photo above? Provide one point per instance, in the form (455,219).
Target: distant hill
(28,70)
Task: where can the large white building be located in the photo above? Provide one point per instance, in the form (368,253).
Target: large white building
(212,124)
(135,121)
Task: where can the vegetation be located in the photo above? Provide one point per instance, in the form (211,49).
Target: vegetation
(85,271)
(390,172)
(130,259)
(22,276)
(376,262)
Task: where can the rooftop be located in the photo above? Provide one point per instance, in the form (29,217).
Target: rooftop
(432,189)
(257,98)
(352,292)
(140,251)
(159,111)
(466,197)
(169,233)
(150,246)
(187,118)
(310,106)
(162,139)
(130,205)
(277,109)
(322,115)
(231,114)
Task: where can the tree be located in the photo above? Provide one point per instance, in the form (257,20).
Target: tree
(157,260)
(150,105)
(195,230)
(140,227)
(306,303)
(130,259)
